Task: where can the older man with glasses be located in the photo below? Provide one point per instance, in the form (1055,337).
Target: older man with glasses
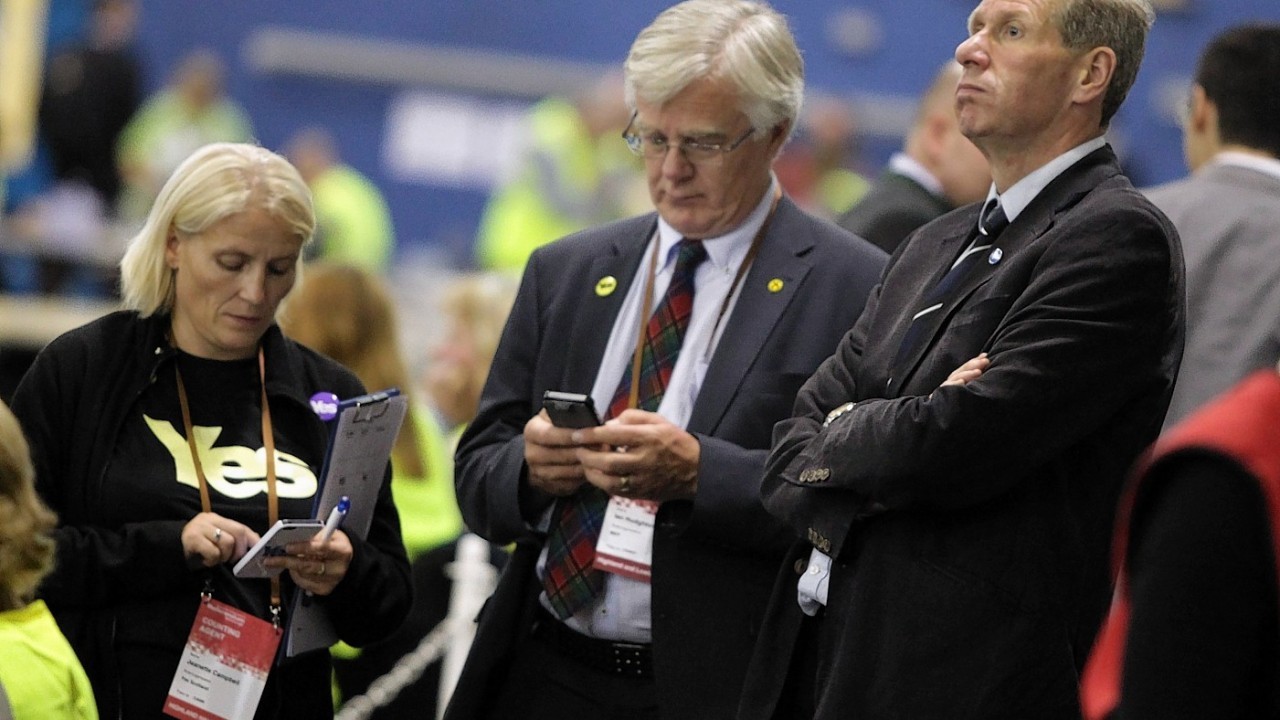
(643,555)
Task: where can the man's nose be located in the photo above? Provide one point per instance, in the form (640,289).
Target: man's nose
(972,50)
(674,163)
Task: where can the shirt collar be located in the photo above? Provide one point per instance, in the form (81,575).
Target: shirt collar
(1017,198)
(1264,165)
(909,167)
(723,251)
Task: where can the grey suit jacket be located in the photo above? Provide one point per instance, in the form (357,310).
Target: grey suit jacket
(713,558)
(1228,217)
(970,525)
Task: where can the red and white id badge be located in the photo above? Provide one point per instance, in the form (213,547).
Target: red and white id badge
(625,546)
(224,666)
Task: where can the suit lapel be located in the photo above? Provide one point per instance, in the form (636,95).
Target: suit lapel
(1034,221)
(956,230)
(761,302)
(587,341)
(1066,190)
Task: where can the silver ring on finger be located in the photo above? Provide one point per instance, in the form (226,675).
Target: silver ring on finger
(624,484)
(322,569)
(217,535)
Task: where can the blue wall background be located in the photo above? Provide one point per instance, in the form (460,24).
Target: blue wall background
(898,45)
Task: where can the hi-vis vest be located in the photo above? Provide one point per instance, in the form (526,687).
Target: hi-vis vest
(1243,425)
(39,671)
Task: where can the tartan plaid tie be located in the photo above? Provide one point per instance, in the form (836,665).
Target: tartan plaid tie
(571,582)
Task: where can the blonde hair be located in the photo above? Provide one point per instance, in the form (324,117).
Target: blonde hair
(745,42)
(215,182)
(345,312)
(480,304)
(26,549)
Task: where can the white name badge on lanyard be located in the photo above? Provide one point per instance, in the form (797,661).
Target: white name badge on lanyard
(224,666)
(625,546)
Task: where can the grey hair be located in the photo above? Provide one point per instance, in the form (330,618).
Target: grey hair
(745,42)
(1121,25)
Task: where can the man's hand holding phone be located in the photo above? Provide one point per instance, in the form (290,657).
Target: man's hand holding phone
(640,454)
(570,410)
(549,449)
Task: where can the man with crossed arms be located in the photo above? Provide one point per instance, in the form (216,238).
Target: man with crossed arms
(954,468)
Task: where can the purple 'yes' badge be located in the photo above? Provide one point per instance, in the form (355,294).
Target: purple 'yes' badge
(325,404)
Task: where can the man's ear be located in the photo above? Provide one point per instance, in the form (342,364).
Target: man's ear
(1201,136)
(778,136)
(934,138)
(1094,76)
(1201,111)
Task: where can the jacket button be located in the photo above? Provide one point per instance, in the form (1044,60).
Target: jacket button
(800,565)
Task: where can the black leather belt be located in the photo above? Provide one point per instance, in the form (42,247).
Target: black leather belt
(608,656)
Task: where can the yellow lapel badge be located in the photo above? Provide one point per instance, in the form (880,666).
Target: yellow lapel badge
(606,285)
(775,285)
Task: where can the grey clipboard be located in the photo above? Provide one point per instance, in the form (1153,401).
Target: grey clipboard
(355,465)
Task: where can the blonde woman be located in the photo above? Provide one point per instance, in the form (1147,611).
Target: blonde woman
(169,435)
(475,308)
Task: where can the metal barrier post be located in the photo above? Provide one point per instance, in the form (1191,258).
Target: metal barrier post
(473,581)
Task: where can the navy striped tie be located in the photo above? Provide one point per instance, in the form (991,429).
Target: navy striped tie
(991,223)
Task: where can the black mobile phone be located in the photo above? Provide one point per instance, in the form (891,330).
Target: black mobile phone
(570,410)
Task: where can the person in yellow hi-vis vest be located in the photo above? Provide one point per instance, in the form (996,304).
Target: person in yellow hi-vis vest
(40,676)
(353,222)
(573,176)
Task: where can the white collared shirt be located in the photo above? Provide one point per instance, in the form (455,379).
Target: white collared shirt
(811,589)
(623,612)
(1020,194)
(907,166)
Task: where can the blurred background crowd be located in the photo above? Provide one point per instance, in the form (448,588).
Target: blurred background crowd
(443,125)
(430,130)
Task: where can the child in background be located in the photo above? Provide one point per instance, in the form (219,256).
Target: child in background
(40,676)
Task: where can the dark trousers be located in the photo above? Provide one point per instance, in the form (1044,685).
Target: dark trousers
(543,684)
(799,697)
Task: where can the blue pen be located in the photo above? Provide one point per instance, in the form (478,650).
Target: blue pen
(335,518)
